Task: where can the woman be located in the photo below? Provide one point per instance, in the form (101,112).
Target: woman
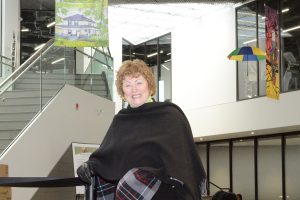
(148,150)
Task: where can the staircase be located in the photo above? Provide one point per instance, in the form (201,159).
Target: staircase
(19,105)
(25,92)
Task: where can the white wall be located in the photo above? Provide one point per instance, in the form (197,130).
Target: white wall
(202,74)
(115,47)
(43,143)
(204,83)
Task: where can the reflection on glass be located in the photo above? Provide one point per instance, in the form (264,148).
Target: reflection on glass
(246,31)
(201,148)
(165,68)
(290,42)
(269,169)
(243,169)
(219,166)
(262,45)
(138,52)
(126,50)
(292,170)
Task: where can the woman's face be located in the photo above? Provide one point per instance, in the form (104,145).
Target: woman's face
(136,90)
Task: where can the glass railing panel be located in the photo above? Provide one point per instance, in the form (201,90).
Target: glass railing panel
(102,80)
(20,102)
(6,67)
(104,63)
(97,77)
(54,71)
(5,63)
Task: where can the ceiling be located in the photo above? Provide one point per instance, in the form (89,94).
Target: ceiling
(137,20)
(49,4)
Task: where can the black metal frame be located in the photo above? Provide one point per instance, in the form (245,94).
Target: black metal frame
(282,137)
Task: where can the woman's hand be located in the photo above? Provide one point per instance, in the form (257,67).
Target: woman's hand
(85,173)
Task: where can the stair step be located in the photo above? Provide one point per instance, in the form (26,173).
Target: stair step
(33,86)
(23,100)
(12,125)
(47,81)
(19,108)
(9,134)
(17,116)
(62,76)
(27,93)
(4,143)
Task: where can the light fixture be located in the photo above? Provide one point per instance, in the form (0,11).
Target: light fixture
(252,133)
(50,24)
(169,53)
(291,29)
(24,29)
(39,46)
(58,60)
(249,41)
(285,10)
(153,54)
(165,67)
(167,60)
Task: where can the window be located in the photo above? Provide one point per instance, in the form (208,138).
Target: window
(157,54)
(292,170)
(243,168)
(250,20)
(269,169)
(290,40)
(247,70)
(219,166)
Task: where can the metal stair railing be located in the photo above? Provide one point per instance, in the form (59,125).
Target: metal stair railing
(23,68)
(44,74)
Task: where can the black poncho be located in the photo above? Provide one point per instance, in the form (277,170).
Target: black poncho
(156,137)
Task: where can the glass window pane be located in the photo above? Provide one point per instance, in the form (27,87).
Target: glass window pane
(243,169)
(247,70)
(126,50)
(165,81)
(290,42)
(269,169)
(262,45)
(219,166)
(138,52)
(151,60)
(292,169)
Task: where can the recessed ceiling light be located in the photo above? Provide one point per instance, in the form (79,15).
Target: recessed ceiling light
(252,133)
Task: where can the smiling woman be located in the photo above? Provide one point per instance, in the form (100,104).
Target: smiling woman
(140,159)
(135,82)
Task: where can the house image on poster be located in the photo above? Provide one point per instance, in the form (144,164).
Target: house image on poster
(77,27)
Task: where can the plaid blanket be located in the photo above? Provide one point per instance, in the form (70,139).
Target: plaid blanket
(136,184)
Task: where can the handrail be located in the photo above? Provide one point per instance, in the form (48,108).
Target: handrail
(24,65)
(47,182)
(220,188)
